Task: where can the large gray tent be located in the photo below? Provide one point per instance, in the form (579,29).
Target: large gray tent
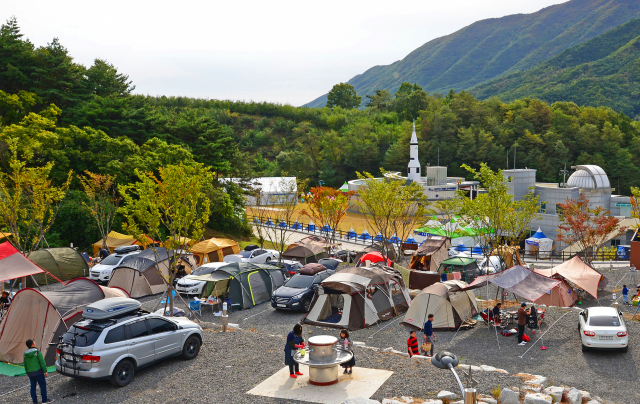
(43,316)
(141,274)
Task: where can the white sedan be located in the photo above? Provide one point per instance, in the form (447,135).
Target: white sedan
(257,256)
(190,286)
(602,327)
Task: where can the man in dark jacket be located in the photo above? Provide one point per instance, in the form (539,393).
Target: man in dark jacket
(36,370)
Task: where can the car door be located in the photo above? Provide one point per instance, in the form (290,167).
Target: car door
(167,338)
(140,343)
(259,257)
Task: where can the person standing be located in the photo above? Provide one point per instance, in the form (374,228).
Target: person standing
(625,295)
(294,341)
(412,344)
(36,369)
(523,312)
(345,341)
(429,335)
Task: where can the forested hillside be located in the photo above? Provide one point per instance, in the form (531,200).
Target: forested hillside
(83,118)
(491,48)
(602,71)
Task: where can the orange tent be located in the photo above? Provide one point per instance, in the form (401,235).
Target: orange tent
(214,250)
(578,273)
(115,239)
(561,295)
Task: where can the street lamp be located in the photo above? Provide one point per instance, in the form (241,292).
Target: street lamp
(448,360)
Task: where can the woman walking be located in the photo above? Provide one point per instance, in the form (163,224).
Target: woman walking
(345,341)
(294,342)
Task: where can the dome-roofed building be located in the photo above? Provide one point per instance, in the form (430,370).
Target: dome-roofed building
(589,177)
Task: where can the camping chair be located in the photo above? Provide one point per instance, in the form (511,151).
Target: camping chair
(163,301)
(196,307)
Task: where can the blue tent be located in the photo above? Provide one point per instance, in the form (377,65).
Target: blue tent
(365,235)
(539,234)
(269,223)
(378,237)
(296,226)
(351,234)
(411,240)
(395,239)
(311,227)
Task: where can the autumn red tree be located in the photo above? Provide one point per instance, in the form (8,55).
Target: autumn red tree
(588,228)
(327,207)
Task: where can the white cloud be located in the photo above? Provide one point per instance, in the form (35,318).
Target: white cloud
(279,51)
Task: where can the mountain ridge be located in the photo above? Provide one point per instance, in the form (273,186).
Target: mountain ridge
(491,48)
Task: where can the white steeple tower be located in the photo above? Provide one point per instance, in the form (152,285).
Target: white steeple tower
(413,170)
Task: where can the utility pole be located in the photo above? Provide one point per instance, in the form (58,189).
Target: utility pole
(515,152)
(564,173)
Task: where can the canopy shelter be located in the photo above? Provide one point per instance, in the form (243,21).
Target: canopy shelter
(579,273)
(508,254)
(449,306)
(452,229)
(356,298)
(519,281)
(115,239)
(395,239)
(246,284)
(468,268)
(431,253)
(378,237)
(296,226)
(14,265)
(538,244)
(351,234)
(44,316)
(214,250)
(314,240)
(64,263)
(372,257)
(311,226)
(305,253)
(411,240)
(142,274)
(344,187)
(364,236)
(562,295)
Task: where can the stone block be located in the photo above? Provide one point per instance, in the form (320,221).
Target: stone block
(487,400)
(593,402)
(422,357)
(537,398)
(391,401)
(358,343)
(585,394)
(395,352)
(487,368)
(474,369)
(556,392)
(574,396)
(407,400)
(432,401)
(508,396)
(360,400)
(444,394)
(388,349)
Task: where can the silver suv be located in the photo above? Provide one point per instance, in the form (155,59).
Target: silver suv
(118,338)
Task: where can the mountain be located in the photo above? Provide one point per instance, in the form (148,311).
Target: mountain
(492,48)
(604,71)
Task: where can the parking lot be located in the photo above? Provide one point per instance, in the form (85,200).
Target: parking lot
(231,363)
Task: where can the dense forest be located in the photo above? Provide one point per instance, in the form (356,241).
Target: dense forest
(83,118)
(602,71)
(491,48)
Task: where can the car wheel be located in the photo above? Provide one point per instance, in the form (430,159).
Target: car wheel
(191,348)
(584,348)
(268,259)
(625,349)
(307,305)
(123,373)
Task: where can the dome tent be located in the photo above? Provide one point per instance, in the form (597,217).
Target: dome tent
(63,262)
(49,314)
(214,250)
(539,244)
(142,274)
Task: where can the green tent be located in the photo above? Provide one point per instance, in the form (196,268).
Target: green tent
(64,263)
(467,266)
(246,284)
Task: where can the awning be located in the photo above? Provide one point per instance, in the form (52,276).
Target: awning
(519,281)
(14,265)
(577,272)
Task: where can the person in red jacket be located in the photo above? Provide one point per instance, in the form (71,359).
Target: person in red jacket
(412,344)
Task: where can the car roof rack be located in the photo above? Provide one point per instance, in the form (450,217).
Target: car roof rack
(109,308)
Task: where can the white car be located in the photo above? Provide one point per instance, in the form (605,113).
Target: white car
(602,327)
(189,286)
(257,256)
(492,265)
(102,272)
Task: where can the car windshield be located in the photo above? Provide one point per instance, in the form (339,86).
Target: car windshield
(245,254)
(203,270)
(604,321)
(111,260)
(300,281)
(84,337)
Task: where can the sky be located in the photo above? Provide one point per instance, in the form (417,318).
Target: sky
(289,52)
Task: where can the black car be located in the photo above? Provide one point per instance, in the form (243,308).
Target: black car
(297,292)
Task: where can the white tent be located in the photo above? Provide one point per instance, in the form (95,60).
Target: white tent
(540,244)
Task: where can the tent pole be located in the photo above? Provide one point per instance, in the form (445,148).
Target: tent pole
(159,300)
(36,283)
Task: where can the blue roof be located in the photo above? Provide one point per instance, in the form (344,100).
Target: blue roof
(539,234)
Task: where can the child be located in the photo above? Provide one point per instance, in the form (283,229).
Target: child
(625,295)
(345,341)
(412,344)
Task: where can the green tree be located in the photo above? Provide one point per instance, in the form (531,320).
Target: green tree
(343,95)
(381,100)
(16,58)
(103,79)
(170,206)
(102,201)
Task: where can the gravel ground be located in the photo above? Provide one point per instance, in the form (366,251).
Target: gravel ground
(232,363)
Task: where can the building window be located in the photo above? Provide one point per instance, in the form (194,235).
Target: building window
(543,207)
(418,170)
(615,243)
